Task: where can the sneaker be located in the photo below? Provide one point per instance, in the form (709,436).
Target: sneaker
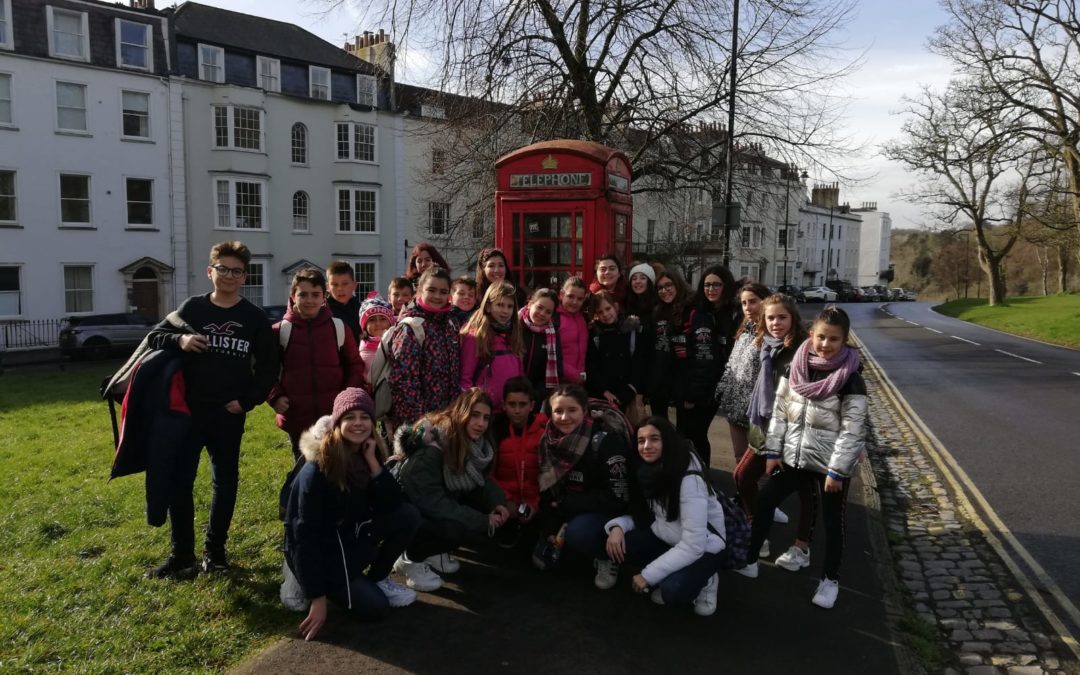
(396,594)
(657,596)
(418,575)
(705,602)
(749,571)
(827,590)
(764,552)
(793,559)
(779,516)
(607,573)
(214,560)
(443,563)
(174,568)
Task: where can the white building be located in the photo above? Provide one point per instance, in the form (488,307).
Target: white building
(85,210)
(830,241)
(875,245)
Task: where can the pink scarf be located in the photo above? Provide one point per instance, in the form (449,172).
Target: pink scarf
(843,366)
(551,371)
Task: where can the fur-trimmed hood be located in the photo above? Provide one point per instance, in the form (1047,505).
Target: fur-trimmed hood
(411,437)
(312,437)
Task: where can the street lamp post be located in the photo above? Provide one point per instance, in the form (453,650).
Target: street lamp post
(828,255)
(787,211)
(730,140)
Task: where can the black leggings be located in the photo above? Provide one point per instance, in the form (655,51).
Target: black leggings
(693,424)
(833,508)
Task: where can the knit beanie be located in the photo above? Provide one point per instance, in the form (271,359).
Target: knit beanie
(373,306)
(353,398)
(643,268)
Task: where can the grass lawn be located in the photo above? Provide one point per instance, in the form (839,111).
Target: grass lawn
(1054,318)
(75,546)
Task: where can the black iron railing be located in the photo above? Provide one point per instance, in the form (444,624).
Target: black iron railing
(25,334)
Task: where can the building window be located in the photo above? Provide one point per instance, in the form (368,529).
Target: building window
(211,63)
(136,114)
(78,288)
(438,218)
(299,144)
(69,34)
(71,106)
(140,202)
(133,45)
(10,289)
(438,161)
(8,211)
(479,231)
(319,79)
(782,237)
(269,73)
(253,288)
(366,90)
(237,128)
(74,199)
(355,142)
(6,41)
(239,204)
(300,211)
(357,210)
(7,110)
(366,273)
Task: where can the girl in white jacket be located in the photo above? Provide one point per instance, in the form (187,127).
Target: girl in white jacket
(675,534)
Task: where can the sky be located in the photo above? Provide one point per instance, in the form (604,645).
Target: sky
(891,36)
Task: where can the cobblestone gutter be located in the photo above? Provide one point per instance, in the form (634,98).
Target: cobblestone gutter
(943,570)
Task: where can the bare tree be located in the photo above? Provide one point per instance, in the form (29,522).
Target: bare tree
(951,266)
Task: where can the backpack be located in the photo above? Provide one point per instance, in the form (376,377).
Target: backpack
(381,364)
(608,418)
(736,527)
(285,332)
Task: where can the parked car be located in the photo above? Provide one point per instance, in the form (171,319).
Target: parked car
(896,294)
(871,294)
(97,336)
(910,296)
(845,292)
(819,294)
(793,291)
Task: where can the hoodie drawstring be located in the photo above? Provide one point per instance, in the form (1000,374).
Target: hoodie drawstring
(345,567)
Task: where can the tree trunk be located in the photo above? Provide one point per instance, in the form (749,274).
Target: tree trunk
(1042,253)
(991,265)
(1063,268)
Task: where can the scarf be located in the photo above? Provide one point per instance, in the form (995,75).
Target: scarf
(357,472)
(501,328)
(764,394)
(551,372)
(480,455)
(843,366)
(559,452)
(428,308)
(371,343)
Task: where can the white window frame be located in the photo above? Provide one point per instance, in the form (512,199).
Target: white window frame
(230,124)
(149,46)
(7,38)
(64,268)
(232,181)
(14,195)
(369,86)
(312,70)
(433,207)
(262,264)
(353,129)
(85,108)
(306,215)
(293,145)
(356,263)
(11,97)
(18,292)
(274,76)
(89,199)
(127,205)
(50,14)
(352,190)
(149,121)
(220,51)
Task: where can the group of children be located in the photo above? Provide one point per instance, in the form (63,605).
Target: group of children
(513,417)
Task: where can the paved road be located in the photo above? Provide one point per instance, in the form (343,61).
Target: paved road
(1008,410)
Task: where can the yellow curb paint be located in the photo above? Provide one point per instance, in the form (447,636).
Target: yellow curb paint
(962,485)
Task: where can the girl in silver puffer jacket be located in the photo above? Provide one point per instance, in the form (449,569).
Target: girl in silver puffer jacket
(817,435)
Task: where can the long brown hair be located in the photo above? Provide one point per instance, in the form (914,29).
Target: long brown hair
(798,333)
(672,312)
(334,452)
(451,422)
(479,324)
(411,273)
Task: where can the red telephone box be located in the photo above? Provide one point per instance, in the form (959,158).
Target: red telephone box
(560,205)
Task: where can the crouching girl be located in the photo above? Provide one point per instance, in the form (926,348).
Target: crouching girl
(345,515)
(675,531)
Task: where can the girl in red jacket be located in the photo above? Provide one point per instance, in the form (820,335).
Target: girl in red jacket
(517,431)
(492,344)
(314,369)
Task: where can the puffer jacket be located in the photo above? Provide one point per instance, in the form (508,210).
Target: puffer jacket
(491,373)
(313,370)
(613,362)
(424,377)
(517,459)
(826,436)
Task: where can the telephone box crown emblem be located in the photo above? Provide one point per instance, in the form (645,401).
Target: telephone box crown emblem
(550,163)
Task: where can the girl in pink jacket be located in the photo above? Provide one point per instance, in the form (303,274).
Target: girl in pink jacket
(492,343)
(573,329)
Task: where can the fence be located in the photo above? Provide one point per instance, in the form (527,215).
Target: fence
(28,334)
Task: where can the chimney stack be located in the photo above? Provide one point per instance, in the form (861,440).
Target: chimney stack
(375,48)
(142,4)
(826,195)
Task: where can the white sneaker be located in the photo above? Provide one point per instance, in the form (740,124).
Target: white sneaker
(705,602)
(443,563)
(418,575)
(750,571)
(607,573)
(764,552)
(779,516)
(793,559)
(657,596)
(827,590)
(395,593)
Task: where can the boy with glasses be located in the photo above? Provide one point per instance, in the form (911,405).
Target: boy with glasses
(229,366)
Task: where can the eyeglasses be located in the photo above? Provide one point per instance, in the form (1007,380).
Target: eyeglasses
(714,284)
(235,272)
(666,287)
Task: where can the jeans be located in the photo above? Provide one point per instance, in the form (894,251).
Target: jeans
(220,432)
(585,536)
(681,586)
(693,424)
